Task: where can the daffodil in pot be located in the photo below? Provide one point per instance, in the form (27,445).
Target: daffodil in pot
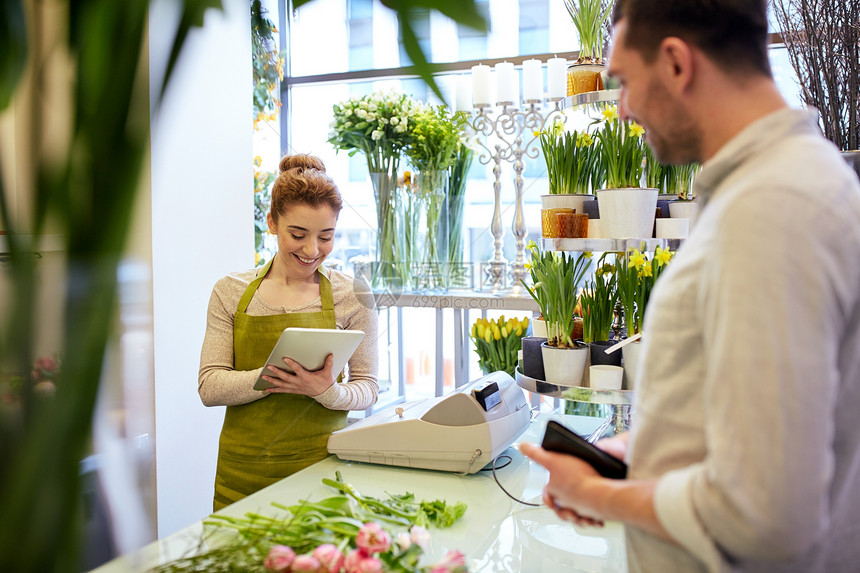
(555,281)
(597,305)
(572,162)
(435,138)
(679,181)
(636,276)
(588,17)
(626,208)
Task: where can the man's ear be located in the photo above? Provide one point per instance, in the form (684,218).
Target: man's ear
(676,60)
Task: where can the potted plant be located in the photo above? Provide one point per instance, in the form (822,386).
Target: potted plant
(597,305)
(821,39)
(555,281)
(497,343)
(679,180)
(572,167)
(635,279)
(588,17)
(626,208)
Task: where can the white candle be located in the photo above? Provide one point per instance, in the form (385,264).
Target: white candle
(481,85)
(507,85)
(556,78)
(532,80)
(463,100)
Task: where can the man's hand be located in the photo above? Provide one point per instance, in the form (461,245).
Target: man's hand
(303,382)
(569,491)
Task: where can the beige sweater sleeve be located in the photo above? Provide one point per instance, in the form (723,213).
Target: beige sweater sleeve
(219,384)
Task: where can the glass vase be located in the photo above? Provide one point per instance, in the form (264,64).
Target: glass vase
(411,213)
(389,269)
(433,229)
(458,275)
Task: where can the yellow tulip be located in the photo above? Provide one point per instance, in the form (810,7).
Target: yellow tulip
(525,323)
(488,336)
(481,329)
(504,332)
(475,330)
(497,334)
(519,331)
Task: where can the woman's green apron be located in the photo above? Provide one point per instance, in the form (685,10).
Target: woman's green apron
(271,438)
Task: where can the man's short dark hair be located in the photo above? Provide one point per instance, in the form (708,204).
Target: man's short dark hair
(732,33)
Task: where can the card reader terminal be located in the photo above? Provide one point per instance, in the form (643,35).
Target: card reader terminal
(488,396)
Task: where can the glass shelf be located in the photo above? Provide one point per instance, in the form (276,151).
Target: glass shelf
(609,245)
(575,393)
(590,97)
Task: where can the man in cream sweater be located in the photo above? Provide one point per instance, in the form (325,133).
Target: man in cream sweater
(744,453)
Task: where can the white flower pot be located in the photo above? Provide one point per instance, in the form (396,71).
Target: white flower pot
(565,201)
(627,213)
(539,328)
(684,210)
(564,366)
(630,363)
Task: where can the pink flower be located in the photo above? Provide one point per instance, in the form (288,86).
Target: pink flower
(353,558)
(453,562)
(46,363)
(420,536)
(279,559)
(306,563)
(330,559)
(372,538)
(369,565)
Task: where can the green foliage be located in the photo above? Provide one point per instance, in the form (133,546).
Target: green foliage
(555,281)
(88,192)
(636,276)
(242,543)
(597,302)
(13,48)
(498,342)
(588,17)
(677,179)
(457,173)
(435,138)
(572,160)
(622,150)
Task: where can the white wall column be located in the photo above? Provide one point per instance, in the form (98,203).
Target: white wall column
(202,229)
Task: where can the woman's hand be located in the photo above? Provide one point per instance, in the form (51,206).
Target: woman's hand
(303,382)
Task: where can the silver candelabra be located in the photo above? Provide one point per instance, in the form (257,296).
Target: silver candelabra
(503,128)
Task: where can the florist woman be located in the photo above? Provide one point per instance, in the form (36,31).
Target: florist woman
(270,434)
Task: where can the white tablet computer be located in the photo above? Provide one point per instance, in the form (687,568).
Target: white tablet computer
(309,347)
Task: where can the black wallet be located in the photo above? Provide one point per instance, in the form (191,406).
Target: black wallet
(558,438)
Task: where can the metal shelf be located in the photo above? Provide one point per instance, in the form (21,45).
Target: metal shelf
(590,97)
(575,393)
(609,245)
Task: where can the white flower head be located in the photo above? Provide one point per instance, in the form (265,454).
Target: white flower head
(420,536)
(395,120)
(376,135)
(404,541)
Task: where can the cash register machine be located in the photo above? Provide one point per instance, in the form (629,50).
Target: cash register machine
(460,432)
